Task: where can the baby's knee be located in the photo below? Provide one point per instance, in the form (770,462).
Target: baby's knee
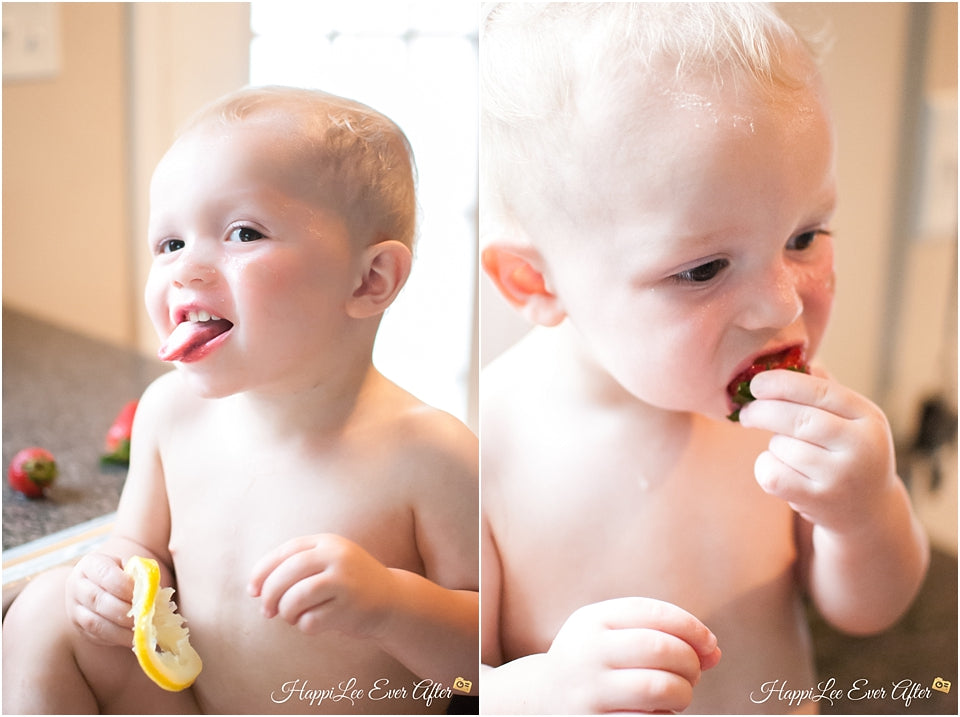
(41,605)
(37,646)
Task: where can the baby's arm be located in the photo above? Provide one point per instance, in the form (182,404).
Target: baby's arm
(621,655)
(99,593)
(427,622)
(863,551)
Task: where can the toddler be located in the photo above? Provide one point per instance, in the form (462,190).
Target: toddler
(658,186)
(319,523)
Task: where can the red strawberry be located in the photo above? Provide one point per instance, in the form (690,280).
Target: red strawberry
(32,470)
(118,436)
(738,389)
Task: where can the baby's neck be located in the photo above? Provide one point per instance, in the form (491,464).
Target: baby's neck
(592,386)
(314,409)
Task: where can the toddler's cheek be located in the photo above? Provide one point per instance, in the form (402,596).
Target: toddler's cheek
(817,306)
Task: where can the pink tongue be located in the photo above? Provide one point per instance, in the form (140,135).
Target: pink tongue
(190,336)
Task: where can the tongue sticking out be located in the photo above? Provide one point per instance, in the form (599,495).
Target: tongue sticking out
(190,340)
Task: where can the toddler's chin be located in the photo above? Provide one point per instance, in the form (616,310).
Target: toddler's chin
(206,386)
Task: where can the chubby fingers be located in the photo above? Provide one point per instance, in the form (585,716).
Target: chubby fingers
(637,632)
(288,579)
(664,617)
(809,408)
(655,652)
(641,648)
(101,599)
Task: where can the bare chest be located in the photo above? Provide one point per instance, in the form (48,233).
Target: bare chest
(239,500)
(576,527)
(230,504)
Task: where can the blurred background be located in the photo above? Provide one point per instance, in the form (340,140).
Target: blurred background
(94,92)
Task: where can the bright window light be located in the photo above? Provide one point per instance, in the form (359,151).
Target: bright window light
(417,63)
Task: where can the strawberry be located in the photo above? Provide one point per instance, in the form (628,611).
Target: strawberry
(31,471)
(738,389)
(118,436)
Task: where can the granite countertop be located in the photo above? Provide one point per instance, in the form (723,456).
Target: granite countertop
(62,391)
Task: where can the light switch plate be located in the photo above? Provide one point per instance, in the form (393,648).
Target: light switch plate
(31,40)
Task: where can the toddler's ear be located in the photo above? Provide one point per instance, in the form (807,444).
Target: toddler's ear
(517,274)
(385,267)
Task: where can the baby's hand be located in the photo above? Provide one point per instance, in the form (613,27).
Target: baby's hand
(628,654)
(832,456)
(324,582)
(99,596)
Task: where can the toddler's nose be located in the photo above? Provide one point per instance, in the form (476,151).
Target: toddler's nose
(775,303)
(195,264)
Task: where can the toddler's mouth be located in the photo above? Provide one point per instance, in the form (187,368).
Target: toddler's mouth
(738,390)
(193,336)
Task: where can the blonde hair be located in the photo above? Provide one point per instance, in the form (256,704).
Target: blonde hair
(545,65)
(363,160)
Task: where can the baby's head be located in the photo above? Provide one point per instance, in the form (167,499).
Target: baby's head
(361,160)
(281,226)
(662,175)
(567,86)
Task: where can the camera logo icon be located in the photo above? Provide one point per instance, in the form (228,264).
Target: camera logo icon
(941,685)
(462,685)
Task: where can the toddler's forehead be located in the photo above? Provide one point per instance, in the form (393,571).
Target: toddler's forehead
(231,153)
(621,153)
(279,144)
(282,133)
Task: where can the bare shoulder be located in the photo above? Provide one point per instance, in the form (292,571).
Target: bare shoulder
(434,457)
(428,443)
(167,398)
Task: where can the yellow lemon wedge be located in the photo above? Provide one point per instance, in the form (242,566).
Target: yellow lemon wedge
(160,640)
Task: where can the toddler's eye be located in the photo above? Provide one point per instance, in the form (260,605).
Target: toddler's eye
(803,241)
(245,234)
(702,273)
(168,246)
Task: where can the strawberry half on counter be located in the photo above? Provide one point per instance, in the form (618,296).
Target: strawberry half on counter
(197,333)
(791,359)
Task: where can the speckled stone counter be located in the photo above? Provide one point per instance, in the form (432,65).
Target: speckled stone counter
(61,391)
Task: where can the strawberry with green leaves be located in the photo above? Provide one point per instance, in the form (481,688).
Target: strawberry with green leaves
(31,471)
(791,359)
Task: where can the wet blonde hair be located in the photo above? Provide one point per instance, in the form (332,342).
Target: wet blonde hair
(544,66)
(364,164)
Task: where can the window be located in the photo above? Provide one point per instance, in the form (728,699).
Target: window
(417,63)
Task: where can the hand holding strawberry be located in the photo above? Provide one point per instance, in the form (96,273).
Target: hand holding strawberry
(31,471)
(863,550)
(739,388)
(832,455)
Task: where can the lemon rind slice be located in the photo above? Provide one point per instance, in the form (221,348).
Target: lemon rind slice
(161,642)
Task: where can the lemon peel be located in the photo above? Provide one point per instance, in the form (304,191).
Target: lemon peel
(160,640)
